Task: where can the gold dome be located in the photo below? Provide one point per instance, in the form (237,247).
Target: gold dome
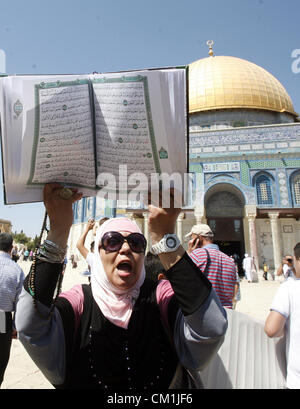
(222,82)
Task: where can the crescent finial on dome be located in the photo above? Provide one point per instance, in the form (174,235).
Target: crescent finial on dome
(210,43)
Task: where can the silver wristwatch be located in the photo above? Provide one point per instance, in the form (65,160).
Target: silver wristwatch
(169,243)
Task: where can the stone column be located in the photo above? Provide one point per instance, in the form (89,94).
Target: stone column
(274,216)
(199,213)
(252,237)
(253,244)
(179,226)
(146,229)
(250,216)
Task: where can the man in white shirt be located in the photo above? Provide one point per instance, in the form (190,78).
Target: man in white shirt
(288,268)
(284,318)
(89,254)
(11,280)
(248,267)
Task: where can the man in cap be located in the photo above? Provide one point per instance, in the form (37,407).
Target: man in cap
(219,268)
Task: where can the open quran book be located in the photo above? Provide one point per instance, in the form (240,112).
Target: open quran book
(79,129)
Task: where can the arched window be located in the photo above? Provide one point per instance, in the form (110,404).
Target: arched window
(296,189)
(264,190)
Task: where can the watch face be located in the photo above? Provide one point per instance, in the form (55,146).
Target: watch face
(171,242)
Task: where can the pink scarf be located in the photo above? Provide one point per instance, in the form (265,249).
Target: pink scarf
(115,304)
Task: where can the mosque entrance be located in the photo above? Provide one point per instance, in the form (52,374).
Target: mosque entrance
(228,235)
(224,213)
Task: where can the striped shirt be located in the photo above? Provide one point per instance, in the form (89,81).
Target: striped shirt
(221,271)
(11,281)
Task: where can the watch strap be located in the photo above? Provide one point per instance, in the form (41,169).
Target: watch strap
(161,246)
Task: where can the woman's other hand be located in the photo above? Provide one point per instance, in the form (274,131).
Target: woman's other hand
(162,220)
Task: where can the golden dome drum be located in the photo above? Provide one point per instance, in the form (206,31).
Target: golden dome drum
(222,82)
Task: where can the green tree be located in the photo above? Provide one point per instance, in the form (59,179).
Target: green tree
(28,242)
(21,238)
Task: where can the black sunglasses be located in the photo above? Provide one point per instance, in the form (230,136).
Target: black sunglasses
(113,241)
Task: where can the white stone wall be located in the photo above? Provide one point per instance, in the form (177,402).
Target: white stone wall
(264,243)
(289,237)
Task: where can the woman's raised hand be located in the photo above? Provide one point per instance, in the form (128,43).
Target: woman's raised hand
(60,212)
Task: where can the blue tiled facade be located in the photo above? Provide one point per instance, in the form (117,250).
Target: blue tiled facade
(93,207)
(244,156)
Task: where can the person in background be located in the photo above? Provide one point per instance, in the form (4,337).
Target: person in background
(284,319)
(237,288)
(11,280)
(266,269)
(286,270)
(279,272)
(30,255)
(73,261)
(248,267)
(219,268)
(65,264)
(154,268)
(14,254)
(26,254)
(289,270)
(88,255)
(21,254)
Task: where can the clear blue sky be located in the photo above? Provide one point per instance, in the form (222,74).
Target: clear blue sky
(81,36)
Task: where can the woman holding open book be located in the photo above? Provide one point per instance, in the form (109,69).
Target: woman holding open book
(121,331)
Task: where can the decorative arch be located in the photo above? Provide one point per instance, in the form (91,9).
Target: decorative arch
(247,193)
(222,175)
(229,196)
(224,208)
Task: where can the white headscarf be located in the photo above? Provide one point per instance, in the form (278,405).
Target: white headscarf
(115,304)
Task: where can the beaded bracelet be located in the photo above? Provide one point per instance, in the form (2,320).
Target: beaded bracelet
(48,252)
(51,252)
